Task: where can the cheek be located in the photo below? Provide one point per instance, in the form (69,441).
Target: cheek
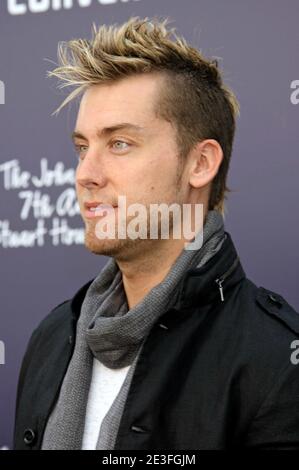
(77,187)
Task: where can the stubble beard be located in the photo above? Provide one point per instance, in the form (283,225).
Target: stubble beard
(127,248)
(123,249)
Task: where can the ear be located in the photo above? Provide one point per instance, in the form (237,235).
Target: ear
(205,160)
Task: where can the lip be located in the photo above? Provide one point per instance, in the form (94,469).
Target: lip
(103,209)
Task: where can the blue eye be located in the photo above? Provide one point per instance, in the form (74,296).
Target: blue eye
(120,142)
(118,145)
(80,147)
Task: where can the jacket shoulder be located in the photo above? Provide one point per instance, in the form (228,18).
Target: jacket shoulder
(277,307)
(55,317)
(62,312)
(266,326)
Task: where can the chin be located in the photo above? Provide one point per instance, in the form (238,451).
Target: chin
(105,247)
(100,247)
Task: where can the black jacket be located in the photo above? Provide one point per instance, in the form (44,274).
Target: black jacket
(212,374)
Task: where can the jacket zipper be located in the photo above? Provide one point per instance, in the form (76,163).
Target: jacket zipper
(221,279)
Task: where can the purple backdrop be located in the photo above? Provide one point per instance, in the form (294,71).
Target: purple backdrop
(257,43)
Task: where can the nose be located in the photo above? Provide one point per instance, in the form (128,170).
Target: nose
(90,171)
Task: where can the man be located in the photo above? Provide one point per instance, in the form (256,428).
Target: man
(170,346)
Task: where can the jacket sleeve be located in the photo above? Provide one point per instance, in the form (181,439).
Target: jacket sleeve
(33,341)
(32,350)
(276,424)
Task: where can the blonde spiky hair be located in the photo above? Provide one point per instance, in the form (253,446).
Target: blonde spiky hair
(194,97)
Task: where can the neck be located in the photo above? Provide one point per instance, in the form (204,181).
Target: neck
(149,265)
(145,271)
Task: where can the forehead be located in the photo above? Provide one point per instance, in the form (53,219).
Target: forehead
(131,97)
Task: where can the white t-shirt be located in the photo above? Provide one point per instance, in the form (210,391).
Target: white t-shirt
(105,385)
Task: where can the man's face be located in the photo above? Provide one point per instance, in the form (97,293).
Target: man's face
(139,161)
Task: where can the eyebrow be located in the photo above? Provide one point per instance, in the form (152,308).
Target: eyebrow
(109,130)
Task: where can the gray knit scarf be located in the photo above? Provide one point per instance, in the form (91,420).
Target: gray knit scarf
(107,330)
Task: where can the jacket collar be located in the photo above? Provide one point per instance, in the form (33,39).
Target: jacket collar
(209,283)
